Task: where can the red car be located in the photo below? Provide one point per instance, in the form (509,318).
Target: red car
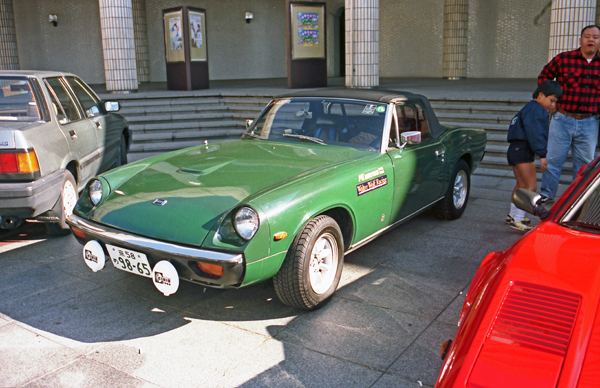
(531,316)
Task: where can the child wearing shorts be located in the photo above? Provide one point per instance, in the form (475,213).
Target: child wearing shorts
(528,136)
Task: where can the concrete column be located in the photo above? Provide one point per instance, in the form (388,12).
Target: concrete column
(140,36)
(456,24)
(362,43)
(567,19)
(116,23)
(9,55)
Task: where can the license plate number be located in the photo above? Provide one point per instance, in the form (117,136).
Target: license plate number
(129,261)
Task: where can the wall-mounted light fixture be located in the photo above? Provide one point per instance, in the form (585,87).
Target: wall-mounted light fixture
(249,17)
(53,19)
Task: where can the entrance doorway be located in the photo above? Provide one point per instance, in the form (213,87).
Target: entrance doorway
(339,54)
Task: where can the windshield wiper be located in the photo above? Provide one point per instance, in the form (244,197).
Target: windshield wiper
(581,224)
(252,135)
(307,138)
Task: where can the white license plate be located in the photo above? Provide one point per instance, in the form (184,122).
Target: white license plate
(129,261)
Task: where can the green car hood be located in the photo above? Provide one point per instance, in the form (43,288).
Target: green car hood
(204,182)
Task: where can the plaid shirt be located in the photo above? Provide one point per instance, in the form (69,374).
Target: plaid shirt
(580,81)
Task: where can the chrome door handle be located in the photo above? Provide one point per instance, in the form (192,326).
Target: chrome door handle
(98,125)
(73,134)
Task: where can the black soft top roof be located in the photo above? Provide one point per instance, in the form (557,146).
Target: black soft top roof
(376,95)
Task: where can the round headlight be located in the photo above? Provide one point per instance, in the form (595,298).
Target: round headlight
(245,222)
(95,190)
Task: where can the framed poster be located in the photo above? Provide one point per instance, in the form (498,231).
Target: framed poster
(307,31)
(197,33)
(174,37)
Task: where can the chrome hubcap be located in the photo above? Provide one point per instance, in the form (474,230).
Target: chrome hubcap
(323,263)
(459,192)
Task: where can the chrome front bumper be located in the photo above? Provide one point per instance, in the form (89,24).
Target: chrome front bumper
(184,258)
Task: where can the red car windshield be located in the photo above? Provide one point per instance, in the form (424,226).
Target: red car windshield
(584,213)
(17,102)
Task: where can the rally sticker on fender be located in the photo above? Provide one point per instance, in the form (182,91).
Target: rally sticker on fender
(369,175)
(371,185)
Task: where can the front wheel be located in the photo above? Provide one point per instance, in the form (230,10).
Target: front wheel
(312,267)
(455,200)
(65,205)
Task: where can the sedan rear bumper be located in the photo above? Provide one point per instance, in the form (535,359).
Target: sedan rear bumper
(184,258)
(29,199)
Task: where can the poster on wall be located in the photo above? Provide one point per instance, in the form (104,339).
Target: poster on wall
(174,37)
(307,24)
(197,23)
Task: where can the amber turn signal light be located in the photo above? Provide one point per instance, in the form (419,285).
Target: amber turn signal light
(19,162)
(444,348)
(280,236)
(212,269)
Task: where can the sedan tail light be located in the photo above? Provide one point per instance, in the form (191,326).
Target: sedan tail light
(19,163)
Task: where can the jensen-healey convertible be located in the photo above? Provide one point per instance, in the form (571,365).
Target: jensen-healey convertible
(317,175)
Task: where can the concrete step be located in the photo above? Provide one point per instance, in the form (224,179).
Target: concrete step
(158,109)
(476,109)
(490,128)
(182,125)
(476,118)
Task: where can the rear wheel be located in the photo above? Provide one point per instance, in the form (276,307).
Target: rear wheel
(66,203)
(312,267)
(455,201)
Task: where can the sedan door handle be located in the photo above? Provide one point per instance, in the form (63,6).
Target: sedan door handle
(98,125)
(73,134)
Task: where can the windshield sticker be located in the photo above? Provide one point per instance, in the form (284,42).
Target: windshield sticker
(369,109)
(369,175)
(381,109)
(373,184)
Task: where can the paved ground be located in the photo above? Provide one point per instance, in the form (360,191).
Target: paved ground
(63,326)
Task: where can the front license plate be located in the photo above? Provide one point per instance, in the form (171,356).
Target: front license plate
(129,261)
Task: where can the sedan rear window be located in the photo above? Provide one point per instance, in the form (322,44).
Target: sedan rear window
(17,102)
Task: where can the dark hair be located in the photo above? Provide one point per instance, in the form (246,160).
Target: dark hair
(590,26)
(548,88)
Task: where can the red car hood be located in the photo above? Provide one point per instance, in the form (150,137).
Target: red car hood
(538,323)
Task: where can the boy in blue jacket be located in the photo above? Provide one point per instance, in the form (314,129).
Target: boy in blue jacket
(528,136)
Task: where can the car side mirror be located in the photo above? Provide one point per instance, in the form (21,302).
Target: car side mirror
(529,201)
(410,137)
(249,123)
(112,106)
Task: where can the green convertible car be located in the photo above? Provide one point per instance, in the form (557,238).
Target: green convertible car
(316,176)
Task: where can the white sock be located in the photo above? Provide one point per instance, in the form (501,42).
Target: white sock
(519,215)
(513,210)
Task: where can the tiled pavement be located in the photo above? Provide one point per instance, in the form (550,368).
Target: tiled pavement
(63,326)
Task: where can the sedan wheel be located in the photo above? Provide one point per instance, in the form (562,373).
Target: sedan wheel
(66,204)
(312,267)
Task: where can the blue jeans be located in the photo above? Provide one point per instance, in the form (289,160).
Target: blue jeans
(567,132)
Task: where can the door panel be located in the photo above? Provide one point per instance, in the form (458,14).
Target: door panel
(79,131)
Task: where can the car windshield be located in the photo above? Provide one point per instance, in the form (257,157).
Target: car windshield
(17,102)
(323,121)
(585,213)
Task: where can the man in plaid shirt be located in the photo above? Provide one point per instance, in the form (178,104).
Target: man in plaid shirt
(575,124)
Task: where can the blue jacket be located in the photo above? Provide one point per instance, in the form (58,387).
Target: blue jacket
(531,124)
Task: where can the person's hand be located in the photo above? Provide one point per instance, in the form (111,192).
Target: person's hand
(544,164)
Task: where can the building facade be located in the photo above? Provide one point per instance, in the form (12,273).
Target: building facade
(120,43)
